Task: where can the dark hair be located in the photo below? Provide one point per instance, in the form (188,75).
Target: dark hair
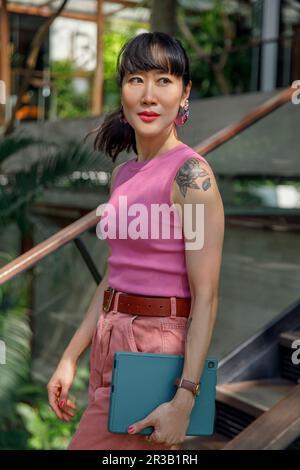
(145,52)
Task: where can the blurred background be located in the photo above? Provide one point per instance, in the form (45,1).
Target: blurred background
(57,81)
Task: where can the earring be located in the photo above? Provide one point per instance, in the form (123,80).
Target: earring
(183,114)
(122,117)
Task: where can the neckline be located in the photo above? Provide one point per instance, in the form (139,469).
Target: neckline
(134,164)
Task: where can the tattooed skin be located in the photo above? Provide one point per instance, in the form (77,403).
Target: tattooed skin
(187,175)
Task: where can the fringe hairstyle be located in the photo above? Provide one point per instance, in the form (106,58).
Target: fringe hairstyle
(145,52)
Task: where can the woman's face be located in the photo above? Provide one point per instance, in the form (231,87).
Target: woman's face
(155,91)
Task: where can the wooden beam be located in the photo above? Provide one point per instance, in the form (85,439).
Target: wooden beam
(46,11)
(97,98)
(61,75)
(5,72)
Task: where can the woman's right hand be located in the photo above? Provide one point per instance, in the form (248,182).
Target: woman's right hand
(58,388)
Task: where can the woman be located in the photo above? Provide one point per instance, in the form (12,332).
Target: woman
(173,281)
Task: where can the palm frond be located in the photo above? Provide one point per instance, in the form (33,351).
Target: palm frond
(13,143)
(46,172)
(16,334)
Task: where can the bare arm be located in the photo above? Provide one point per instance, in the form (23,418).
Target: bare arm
(196,187)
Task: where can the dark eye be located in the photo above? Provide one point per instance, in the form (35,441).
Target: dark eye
(134,78)
(164,78)
(138,78)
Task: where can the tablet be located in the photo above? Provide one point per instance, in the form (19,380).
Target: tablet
(142,381)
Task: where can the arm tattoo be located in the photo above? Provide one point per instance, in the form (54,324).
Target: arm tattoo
(187,174)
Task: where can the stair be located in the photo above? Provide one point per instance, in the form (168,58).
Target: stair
(275,429)
(240,403)
(259,413)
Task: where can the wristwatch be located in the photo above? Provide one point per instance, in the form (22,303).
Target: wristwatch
(192,386)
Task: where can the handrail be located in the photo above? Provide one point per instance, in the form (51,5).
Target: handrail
(48,246)
(275,429)
(211,143)
(56,241)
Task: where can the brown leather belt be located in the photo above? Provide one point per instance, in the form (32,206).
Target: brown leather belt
(141,305)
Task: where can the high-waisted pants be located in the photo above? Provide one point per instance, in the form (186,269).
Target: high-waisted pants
(117,331)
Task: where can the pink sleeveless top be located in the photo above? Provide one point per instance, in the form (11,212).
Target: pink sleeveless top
(141,263)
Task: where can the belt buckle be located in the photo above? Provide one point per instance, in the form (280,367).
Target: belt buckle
(112,291)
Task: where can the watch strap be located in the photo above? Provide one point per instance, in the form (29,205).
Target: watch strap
(189,385)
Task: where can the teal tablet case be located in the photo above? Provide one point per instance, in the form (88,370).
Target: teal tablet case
(142,381)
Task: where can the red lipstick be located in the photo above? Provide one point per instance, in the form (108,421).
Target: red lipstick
(148,116)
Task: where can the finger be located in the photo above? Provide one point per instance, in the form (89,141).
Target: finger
(67,413)
(64,393)
(53,399)
(67,417)
(53,404)
(71,404)
(67,409)
(139,425)
(154,437)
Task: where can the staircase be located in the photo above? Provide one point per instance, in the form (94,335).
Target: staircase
(262,409)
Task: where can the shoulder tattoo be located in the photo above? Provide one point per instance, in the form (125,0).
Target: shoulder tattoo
(188,173)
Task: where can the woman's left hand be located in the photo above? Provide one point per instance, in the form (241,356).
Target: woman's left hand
(170,423)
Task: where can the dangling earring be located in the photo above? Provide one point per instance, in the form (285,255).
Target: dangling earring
(183,114)
(122,117)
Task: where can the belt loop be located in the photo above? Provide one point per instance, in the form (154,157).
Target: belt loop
(116,302)
(173,306)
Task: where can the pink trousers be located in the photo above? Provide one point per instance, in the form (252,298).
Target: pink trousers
(118,331)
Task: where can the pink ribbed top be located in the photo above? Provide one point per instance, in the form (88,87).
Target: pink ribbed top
(140,264)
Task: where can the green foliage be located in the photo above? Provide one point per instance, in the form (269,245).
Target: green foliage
(16,334)
(26,419)
(13,143)
(55,164)
(44,429)
(70,103)
(208,31)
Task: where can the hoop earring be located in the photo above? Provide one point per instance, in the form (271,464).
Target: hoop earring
(183,114)
(122,117)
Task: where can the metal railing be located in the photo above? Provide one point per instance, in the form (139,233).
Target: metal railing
(75,229)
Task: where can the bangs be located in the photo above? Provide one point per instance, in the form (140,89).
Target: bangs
(152,51)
